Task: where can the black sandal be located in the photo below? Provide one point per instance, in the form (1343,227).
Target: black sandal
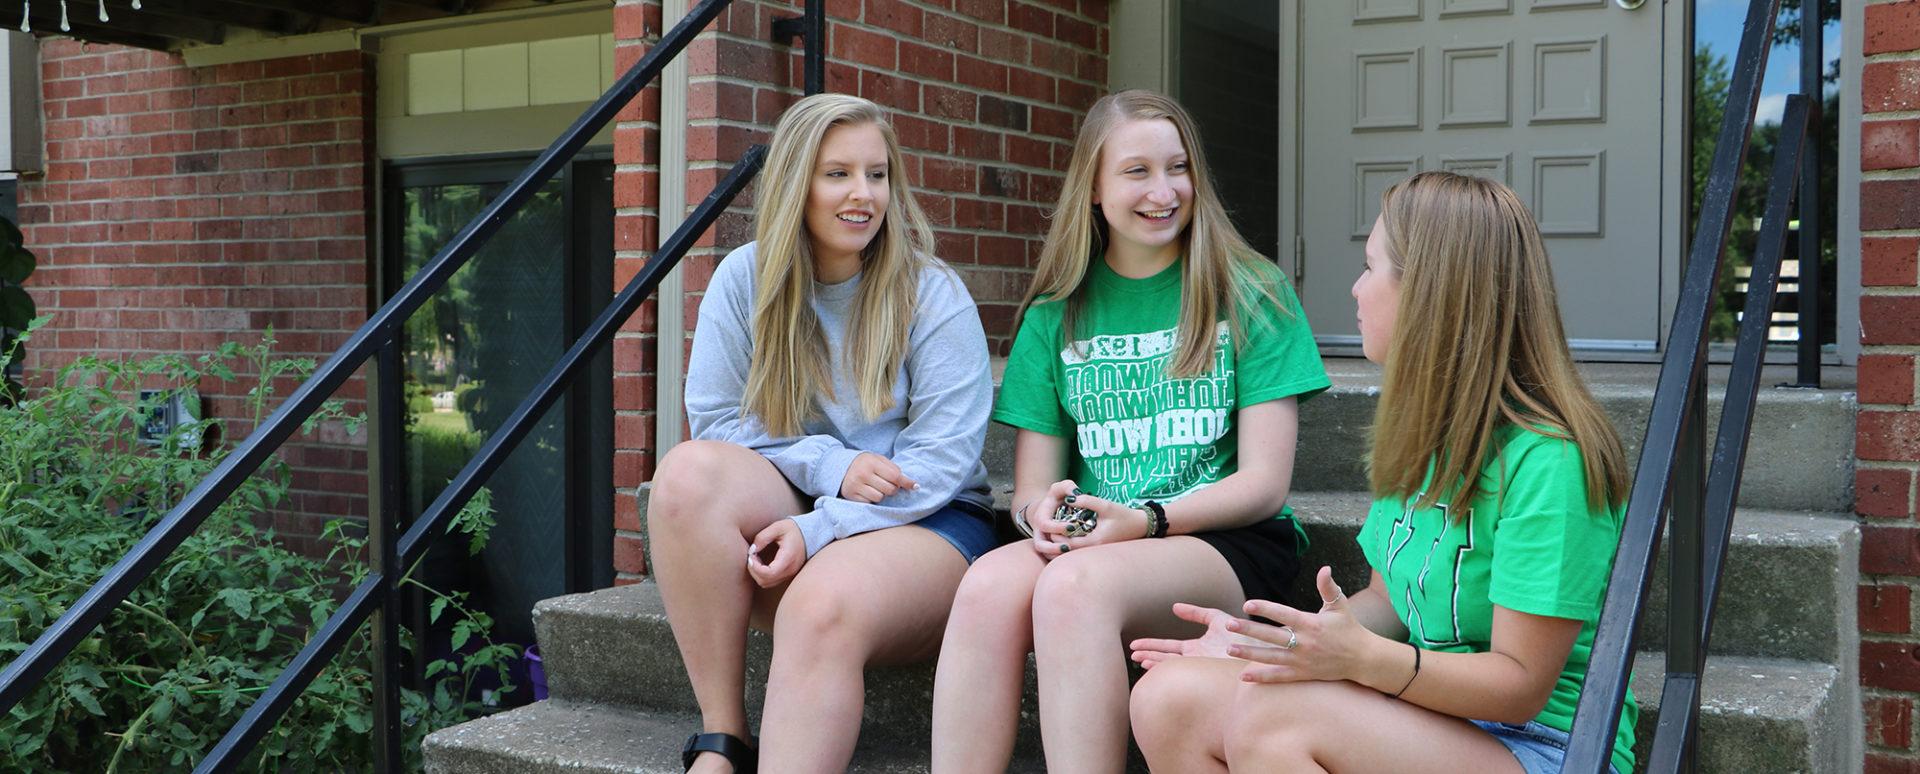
(737,751)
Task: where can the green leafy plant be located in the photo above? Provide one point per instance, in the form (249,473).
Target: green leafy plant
(180,660)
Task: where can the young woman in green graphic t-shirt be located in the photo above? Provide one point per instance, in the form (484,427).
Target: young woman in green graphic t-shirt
(1153,380)
(1498,485)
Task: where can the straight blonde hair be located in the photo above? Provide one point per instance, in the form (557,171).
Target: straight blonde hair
(1477,343)
(1223,275)
(790,363)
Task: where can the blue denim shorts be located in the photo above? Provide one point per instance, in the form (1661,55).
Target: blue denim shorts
(966,525)
(1542,749)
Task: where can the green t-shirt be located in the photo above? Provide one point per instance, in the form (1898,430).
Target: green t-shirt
(1529,543)
(1139,434)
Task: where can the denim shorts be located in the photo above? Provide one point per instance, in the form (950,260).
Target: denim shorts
(1542,749)
(965,524)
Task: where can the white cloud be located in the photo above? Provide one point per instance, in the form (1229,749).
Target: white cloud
(1770,108)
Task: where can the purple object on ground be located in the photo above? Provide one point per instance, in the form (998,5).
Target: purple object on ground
(536,673)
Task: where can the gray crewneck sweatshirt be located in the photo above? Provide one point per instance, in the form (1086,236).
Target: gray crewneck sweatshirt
(934,432)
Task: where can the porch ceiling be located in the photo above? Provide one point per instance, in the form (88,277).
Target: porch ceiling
(168,25)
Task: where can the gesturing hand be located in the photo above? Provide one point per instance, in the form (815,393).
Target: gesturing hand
(872,478)
(789,549)
(1328,645)
(1215,643)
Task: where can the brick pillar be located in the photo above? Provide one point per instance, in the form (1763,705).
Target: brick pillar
(636,188)
(1888,435)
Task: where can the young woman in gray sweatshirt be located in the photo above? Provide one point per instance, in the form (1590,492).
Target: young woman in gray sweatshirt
(838,393)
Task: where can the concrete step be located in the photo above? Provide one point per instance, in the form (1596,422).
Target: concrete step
(1788,591)
(552,737)
(1763,715)
(1757,716)
(1800,458)
(614,647)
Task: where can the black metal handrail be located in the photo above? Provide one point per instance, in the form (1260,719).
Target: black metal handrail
(1672,471)
(380,334)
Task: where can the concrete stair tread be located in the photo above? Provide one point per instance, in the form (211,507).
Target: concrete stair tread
(1761,687)
(1773,706)
(556,736)
(1775,688)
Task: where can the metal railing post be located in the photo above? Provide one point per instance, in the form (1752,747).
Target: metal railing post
(1686,654)
(383,539)
(1808,296)
(816,56)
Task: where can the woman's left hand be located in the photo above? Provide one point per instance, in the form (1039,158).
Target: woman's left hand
(1328,645)
(789,549)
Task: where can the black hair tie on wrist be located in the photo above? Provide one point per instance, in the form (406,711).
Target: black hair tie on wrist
(1157,525)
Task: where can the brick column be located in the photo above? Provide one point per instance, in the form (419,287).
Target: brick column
(1888,433)
(636,188)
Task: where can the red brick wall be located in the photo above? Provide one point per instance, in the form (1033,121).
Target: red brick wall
(636,190)
(185,207)
(1888,434)
(985,96)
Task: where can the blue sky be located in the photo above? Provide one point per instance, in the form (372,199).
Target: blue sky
(1717,24)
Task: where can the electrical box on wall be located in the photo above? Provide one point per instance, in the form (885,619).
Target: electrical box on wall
(20,147)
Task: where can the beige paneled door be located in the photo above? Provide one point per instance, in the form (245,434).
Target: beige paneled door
(1560,99)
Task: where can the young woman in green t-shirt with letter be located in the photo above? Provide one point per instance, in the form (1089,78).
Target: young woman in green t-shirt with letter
(1469,648)
(1153,380)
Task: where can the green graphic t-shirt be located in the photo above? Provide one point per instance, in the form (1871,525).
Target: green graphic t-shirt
(1528,542)
(1137,433)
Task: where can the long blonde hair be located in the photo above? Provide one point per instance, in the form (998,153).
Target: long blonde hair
(790,363)
(1223,275)
(1477,343)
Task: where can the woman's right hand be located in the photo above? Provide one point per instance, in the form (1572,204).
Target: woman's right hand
(1050,533)
(1217,642)
(872,478)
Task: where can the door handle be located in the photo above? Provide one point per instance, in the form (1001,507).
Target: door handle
(1630,4)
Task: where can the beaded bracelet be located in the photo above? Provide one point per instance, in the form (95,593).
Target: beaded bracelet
(1157,525)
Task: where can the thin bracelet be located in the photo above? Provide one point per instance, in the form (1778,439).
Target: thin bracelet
(1020,520)
(1416,671)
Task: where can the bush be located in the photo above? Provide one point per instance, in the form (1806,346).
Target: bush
(180,660)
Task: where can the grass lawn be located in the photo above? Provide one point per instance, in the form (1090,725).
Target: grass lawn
(444,421)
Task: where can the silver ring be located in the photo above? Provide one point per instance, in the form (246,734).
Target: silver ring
(1293,638)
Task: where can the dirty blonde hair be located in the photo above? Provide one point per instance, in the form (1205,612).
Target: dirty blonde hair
(790,363)
(1478,343)
(1223,277)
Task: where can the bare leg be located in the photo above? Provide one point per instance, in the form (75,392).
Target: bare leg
(1181,711)
(877,597)
(1343,727)
(1086,607)
(709,499)
(983,662)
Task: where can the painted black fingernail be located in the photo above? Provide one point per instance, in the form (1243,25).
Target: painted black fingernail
(1070,499)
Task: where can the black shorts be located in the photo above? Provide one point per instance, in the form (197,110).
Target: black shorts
(1264,556)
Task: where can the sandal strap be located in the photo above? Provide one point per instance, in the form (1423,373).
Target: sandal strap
(736,750)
